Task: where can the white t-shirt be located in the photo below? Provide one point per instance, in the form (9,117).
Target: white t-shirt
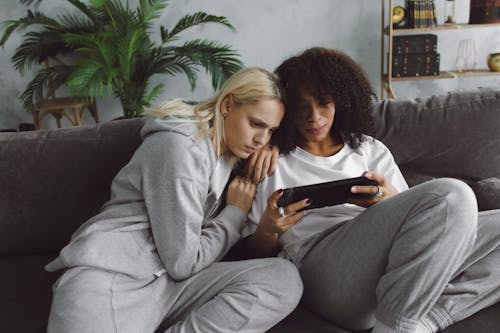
(302,168)
(220,176)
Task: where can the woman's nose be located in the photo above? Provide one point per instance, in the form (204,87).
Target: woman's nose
(314,114)
(260,137)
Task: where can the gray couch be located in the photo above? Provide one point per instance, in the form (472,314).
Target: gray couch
(52,181)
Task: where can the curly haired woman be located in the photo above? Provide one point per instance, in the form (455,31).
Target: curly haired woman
(403,260)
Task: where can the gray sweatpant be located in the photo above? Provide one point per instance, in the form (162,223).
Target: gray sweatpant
(410,260)
(243,296)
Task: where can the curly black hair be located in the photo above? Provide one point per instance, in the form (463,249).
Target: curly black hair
(328,75)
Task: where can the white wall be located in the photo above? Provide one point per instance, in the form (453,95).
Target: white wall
(268,31)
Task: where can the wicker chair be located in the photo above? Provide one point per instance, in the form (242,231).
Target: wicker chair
(69,107)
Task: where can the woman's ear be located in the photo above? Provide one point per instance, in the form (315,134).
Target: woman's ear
(226,104)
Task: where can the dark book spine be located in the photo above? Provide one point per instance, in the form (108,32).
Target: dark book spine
(434,15)
(484,11)
(415,65)
(411,14)
(426,43)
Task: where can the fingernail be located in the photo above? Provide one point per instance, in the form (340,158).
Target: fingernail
(309,201)
(353,189)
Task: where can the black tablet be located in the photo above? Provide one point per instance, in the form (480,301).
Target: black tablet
(326,194)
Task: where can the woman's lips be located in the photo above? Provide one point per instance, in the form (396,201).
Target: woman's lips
(316,130)
(250,149)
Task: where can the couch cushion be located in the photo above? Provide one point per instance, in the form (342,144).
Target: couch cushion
(54,180)
(452,135)
(26,291)
(484,321)
(488,193)
(302,320)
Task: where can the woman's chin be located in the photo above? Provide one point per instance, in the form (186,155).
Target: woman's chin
(316,138)
(243,155)
(240,154)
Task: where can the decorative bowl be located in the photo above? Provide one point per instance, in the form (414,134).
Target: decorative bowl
(494,62)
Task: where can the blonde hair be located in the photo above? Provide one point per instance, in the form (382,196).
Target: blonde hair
(247,86)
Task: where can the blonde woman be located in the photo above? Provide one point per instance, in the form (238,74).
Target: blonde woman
(149,261)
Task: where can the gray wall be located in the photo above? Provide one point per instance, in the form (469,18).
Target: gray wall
(269,31)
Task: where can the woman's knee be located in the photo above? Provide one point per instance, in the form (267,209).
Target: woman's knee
(289,279)
(81,302)
(284,282)
(458,193)
(459,203)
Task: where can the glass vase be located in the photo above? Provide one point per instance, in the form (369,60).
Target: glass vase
(466,55)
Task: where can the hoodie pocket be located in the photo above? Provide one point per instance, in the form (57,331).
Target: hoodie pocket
(66,276)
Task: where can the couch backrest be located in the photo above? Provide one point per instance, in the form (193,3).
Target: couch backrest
(452,135)
(51,181)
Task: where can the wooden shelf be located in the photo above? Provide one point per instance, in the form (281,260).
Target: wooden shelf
(447,75)
(442,75)
(473,73)
(439,28)
(386,52)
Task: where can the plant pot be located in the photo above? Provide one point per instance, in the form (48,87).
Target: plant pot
(494,62)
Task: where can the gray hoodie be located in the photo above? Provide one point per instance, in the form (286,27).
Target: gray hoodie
(161,215)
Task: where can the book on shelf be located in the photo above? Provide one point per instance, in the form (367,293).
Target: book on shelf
(421,13)
(415,64)
(415,55)
(423,43)
(484,11)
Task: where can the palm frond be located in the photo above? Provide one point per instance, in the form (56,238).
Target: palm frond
(149,97)
(89,79)
(31,18)
(166,61)
(183,65)
(160,57)
(45,79)
(77,24)
(30,2)
(118,15)
(198,18)
(37,47)
(93,46)
(99,12)
(128,45)
(37,18)
(97,3)
(87,11)
(150,10)
(166,37)
(10,27)
(218,59)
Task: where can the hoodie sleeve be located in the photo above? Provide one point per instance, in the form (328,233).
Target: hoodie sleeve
(175,182)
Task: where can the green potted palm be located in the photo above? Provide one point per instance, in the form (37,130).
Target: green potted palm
(107,49)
